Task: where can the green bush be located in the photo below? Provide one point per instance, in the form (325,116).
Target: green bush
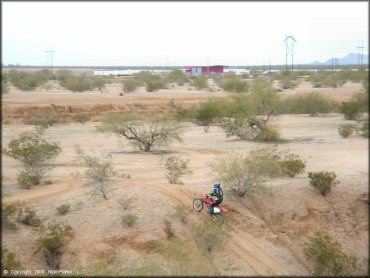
(176,167)
(29,217)
(99,82)
(61,74)
(328,257)
(52,243)
(346,129)
(4,86)
(33,152)
(129,219)
(27,81)
(44,120)
(200,82)
(9,261)
(350,110)
(130,85)
(308,103)
(209,112)
(235,84)
(155,85)
(292,166)
(8,216)
(78,83)
(63,209)
(177,76)
(268,133)
(323,181)
(207,235)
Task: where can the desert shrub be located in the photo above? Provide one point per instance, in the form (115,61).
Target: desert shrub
(323,181)
(263,97)
(188,114)
(346,129)
(291,165)
(209,112)
(155,85)
(309,103)
(43,120)
(129,219)
(250,129)
(235,84)
(9,216)
(51,243)
(130,85)
(181,213)
(326,79)
(357,105)
(158,131)
(177,76)
(99,82)
(268,133)
(144,77)
(78,83)
(200,82)
(168,228)
(4,86)
(99,170)
(33,152)
(328,257)
(28,217)
(363,128)
(9,261)
(62,74)
(27,81)
(81,118)
(176,167)
(207,235)
(126,202)
(63,209)
(287,79)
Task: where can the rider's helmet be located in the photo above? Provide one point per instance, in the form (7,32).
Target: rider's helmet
(217,184)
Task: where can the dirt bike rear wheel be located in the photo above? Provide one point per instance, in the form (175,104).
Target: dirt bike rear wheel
(198,204)
(218,218)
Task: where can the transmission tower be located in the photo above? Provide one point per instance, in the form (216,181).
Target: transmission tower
(360,56)
(289,50)
(49,58)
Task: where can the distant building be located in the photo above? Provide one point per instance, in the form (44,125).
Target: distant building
(126,72)
(236,71)
(270,72)
(199,70)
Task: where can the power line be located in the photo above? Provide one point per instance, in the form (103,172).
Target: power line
(49,58)
(360,56)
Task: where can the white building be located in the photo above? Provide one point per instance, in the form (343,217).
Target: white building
(236,71)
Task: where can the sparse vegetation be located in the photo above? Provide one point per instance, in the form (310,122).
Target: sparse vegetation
(346,129)
(363,128)
(328,257)
(130,85)
(126,202)
(129,219)
(9,216)
(28,217)
(207,235)
(27,81)
(81,118)
(235,84)
(63,209)
(168,228)
(52,243)
(177,76)
(176,167)
(200,82)
(357,105)
(292,165)
(43,120)
(323,181)
(181,213)
(155,85)
(144,135)
(9,261)
(4,85)
(33,152)
(99,170)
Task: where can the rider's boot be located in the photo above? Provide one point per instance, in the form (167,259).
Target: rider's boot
(210,210)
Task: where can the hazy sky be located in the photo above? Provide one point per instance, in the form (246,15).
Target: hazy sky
(180,33)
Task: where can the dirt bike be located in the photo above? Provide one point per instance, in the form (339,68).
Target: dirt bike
(217,215)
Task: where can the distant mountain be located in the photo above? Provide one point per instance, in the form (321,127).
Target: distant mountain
(349,59)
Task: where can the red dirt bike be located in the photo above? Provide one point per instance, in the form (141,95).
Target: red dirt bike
(217,215)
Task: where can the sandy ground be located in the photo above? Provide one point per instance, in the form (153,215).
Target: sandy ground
(266,233)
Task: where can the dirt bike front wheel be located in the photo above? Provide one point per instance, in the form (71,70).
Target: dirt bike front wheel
(218,218)
(198,204)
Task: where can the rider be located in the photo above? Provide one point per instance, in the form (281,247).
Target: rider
(217,191)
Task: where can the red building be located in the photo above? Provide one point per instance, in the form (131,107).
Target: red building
(199,70)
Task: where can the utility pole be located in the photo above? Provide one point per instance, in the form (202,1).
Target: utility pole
(49,58)
(360,57)
(289,49)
